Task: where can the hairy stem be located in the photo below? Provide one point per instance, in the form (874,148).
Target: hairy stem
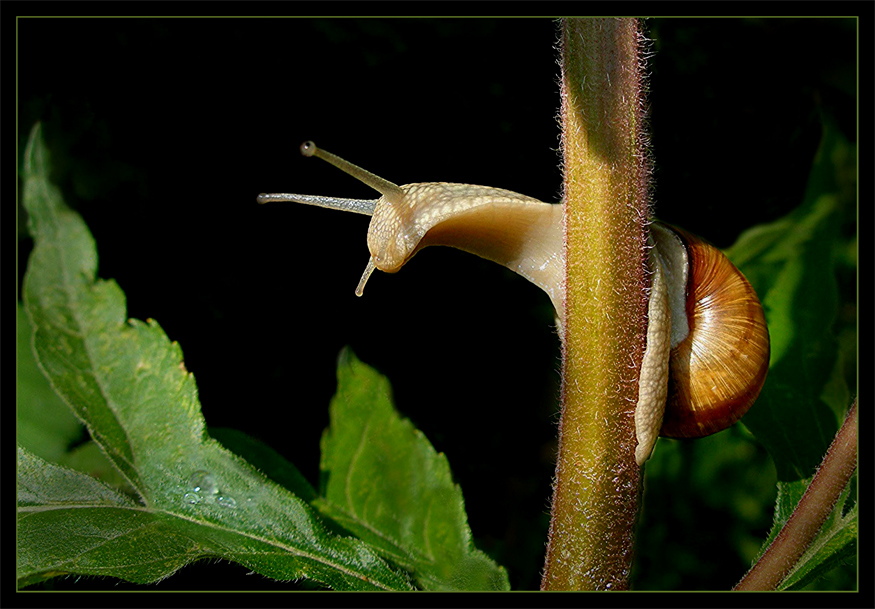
(596,489)
(814,508)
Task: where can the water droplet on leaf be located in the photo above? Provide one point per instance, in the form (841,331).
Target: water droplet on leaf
(203,482)
(227,502)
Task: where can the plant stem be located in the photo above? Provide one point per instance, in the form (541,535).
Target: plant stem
(814,508)
(596,489)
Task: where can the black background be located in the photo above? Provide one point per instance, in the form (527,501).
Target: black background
(164,131)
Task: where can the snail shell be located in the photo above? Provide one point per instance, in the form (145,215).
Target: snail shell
(718,369)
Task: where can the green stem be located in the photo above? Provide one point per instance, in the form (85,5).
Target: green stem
(814,508)
(596,490)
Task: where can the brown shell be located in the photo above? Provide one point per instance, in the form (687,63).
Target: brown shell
(717,372)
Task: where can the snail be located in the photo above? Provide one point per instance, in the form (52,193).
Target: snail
(707,351)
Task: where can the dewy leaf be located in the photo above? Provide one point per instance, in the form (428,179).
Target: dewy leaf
(790,263)
(129,385)
(383,481)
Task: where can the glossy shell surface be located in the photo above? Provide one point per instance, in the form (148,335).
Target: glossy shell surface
(718,370)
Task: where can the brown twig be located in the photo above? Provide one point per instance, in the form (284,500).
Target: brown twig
(597,486)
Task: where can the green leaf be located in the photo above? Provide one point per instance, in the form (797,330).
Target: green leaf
(791,264)
(66,520)
(129,385)
(45,425)
(266,460)
(89,459)
(384,481)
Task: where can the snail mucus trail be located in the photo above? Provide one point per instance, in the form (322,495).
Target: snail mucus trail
(707,351)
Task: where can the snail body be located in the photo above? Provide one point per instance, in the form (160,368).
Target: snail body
(516,231)
(708,344)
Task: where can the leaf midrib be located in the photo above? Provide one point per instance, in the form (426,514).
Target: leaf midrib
(217,527)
